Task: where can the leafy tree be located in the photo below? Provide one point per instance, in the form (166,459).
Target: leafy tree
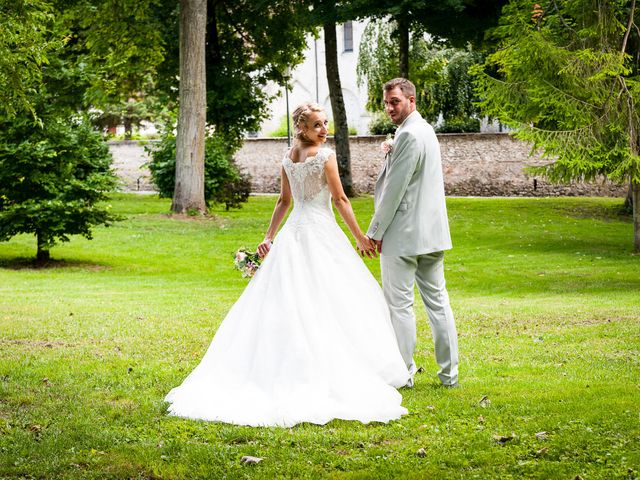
(25,44)
(248,45)
(54,172)
(440,73)
(130,113)
(327,14)
(117,43)
(461,22)
(566,78)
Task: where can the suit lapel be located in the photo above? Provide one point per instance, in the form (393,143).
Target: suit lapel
(414,116)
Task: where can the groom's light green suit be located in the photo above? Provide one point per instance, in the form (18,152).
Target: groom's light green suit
(411,220)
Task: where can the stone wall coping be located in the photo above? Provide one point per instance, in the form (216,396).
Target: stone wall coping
(356,138)
(375,137)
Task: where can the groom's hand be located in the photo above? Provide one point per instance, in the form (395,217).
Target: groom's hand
(377,245)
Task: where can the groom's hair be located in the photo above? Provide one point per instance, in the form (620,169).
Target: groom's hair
(406,87)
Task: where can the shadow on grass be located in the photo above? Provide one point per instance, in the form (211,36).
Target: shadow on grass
(30,263)
(606,213)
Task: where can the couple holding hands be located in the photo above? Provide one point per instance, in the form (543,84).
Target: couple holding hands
(313,337)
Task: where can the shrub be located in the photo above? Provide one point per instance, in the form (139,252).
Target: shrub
(459,125)
(381,124)
(223,182)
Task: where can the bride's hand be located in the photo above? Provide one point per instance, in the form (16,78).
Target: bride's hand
(366,246)
(264,247)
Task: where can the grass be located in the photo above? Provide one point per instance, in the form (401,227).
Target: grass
(546,294)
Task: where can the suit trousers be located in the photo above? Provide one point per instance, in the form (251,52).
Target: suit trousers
(399,275)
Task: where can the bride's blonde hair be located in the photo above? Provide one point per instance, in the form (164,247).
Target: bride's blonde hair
(301,115)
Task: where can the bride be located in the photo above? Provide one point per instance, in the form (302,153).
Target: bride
(310,338)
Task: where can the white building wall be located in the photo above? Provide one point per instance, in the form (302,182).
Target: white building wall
(309,83)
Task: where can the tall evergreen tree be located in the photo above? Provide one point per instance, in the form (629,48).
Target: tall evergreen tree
(566,78)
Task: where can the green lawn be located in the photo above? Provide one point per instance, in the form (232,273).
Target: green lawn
(546,294)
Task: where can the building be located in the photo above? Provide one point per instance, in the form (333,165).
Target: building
(309,81)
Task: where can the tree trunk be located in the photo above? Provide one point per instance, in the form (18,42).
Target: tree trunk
(337,107)
(628,201)
(128,128)
(636,216)
(403,43)
(43,255)
(188,195)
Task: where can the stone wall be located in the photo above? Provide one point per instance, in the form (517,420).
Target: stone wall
(483,164)
(129,158)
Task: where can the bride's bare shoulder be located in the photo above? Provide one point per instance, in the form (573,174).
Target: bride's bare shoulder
(295,154)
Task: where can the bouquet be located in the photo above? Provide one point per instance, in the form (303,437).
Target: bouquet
(247,262)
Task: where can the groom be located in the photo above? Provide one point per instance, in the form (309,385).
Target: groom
(411,231)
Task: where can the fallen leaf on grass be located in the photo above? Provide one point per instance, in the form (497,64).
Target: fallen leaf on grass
(542,451)
(484,401)
(541,435)
(35,428)
(249,460)
(421,452)
(502,439)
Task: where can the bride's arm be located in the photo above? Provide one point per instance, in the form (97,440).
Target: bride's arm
(343,205)
(280,210)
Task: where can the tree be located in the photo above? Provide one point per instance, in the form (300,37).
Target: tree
(130,113)
(566,78)
(25,44)
(439,71)
(328,13)
(461,22)
(343,153)
(189,185)
(53,179)
(248,45)
(54,173)
(55,170)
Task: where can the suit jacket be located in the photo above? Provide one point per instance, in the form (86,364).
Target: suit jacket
(410,211)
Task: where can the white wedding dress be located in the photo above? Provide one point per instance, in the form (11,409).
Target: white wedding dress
(310,338)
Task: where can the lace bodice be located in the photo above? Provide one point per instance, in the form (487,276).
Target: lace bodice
(308,181)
